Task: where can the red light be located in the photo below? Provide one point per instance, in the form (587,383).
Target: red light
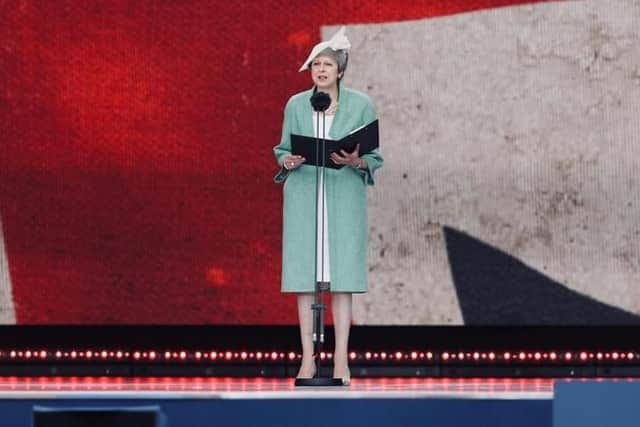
(581,356)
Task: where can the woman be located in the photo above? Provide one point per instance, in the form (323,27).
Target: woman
(343,204)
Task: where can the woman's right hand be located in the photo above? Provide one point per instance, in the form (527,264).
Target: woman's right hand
(293,162)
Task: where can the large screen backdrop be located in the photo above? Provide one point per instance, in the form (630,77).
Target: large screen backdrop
(136,165)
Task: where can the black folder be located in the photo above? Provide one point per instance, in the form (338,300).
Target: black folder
(305,146)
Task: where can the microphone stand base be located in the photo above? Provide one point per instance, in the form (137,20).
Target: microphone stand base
(318,382)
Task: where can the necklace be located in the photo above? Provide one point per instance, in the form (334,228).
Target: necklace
(332,109)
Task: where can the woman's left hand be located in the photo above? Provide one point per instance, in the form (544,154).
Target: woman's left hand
(350,159)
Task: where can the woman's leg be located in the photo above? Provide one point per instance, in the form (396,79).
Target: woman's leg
(341,307)
(305,317)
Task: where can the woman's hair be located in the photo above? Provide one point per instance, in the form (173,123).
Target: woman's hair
(340,56)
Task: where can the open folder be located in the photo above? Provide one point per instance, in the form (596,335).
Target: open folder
(305,146)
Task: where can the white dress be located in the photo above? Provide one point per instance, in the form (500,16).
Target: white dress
(322,235)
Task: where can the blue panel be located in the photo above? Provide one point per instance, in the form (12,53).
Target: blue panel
(596,404)
(314,412)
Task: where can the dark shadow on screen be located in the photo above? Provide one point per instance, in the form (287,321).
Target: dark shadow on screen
(495,288)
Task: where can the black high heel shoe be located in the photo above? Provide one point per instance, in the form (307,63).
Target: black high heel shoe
(313,373)
(346,380)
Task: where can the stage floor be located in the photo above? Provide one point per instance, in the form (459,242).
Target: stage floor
(267,388)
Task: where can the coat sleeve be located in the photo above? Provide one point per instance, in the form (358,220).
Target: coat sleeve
(283,149)
(374,158)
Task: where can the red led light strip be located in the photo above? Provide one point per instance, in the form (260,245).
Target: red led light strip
(390,357)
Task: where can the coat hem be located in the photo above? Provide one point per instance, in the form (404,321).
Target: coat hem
(310,291)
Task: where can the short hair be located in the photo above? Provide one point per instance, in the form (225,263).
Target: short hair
(341,57)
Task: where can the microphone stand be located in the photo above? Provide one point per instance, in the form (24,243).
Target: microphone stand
(318,306)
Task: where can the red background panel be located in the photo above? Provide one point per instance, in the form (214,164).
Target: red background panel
(135,152)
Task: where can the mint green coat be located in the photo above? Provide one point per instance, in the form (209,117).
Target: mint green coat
(346,200)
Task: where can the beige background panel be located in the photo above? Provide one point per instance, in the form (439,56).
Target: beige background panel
(7,308)
(516,125)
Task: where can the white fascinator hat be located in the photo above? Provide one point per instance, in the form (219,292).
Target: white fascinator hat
(339,42)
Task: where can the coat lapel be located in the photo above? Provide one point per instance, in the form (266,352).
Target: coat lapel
(337,130)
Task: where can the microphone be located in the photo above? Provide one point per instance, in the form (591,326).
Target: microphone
(320,101)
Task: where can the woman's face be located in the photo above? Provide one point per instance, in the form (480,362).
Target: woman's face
(324,72)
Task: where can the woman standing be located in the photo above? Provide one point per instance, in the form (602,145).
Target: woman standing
(343,204)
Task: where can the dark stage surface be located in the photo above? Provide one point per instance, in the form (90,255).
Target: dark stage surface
(273,351)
